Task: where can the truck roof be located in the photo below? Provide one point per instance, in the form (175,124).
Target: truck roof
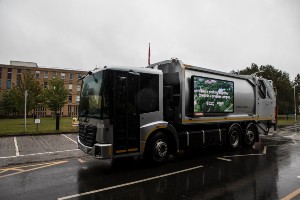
(197,68)
(130,69)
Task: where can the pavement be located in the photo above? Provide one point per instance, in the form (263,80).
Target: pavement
(288,131)
(38,148)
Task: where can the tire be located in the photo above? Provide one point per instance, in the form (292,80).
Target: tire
(250,134)
(158,149)
(234,137)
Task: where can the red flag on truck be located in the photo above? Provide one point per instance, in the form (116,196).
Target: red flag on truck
(149,55)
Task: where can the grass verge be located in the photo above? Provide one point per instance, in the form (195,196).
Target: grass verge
(47,125)
(287,120)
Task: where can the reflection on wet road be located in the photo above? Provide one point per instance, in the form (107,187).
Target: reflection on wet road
(270,170)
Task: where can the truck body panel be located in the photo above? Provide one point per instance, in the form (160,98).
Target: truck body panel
(168,107)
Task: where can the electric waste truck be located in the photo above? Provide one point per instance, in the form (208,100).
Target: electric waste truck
(169,107)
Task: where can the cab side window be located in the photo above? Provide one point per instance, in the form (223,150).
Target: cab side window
(149,93)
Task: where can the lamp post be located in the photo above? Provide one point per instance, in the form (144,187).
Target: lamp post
(26,94)
(295,101)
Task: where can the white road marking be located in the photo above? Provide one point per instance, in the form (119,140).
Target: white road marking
(225,159)
(259,154)
(130,183)
(298,176)
(16,146)
(81,161)
(34,154)
(69,138)
(265,150)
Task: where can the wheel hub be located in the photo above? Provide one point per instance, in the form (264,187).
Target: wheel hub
(250,135)
(234,138)
(161,148)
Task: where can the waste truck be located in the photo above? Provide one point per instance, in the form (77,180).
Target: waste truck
(168,107)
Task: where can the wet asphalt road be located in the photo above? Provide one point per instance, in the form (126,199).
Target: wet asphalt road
(270,170)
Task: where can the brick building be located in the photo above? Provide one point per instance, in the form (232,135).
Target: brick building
(10,73)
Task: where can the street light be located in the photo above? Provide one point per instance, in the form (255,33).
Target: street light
(295,101)
(26,94)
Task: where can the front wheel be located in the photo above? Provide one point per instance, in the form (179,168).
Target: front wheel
(157,150)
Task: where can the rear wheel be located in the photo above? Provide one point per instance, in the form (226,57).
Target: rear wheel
(250,134)
(157,150)
(234,137)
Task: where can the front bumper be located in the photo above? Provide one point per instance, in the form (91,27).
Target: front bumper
(100,151)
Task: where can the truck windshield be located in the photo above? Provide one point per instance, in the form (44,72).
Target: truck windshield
(93,99)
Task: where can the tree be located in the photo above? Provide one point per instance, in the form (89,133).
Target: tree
(34,90)
(297,79)
(281,81)
(13,100)
(250,70)
(7,103)
(55,96)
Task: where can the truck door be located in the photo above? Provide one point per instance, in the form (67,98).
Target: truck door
(126,113)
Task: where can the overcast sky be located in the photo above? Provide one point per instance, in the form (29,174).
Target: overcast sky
(222,35)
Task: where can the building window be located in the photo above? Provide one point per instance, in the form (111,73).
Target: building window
(37,74)
(8,81)
(19,76)
(63,76)
(70,88)
(54,74)
(9,73)
(45,74)
(71,76)
(8,84)
(70,98)
(78,76)
(78,88)
(77,99)
(45,84)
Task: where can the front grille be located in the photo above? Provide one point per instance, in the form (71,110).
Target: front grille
(87,135)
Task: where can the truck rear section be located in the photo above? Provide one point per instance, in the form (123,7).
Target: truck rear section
(169,107)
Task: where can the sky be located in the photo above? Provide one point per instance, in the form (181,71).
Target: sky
(222,35)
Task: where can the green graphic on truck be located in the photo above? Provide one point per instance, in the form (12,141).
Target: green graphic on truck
(212,95)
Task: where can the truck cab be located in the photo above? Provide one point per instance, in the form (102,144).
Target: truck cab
(115,103)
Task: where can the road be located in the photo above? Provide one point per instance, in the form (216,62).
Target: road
(269,170)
